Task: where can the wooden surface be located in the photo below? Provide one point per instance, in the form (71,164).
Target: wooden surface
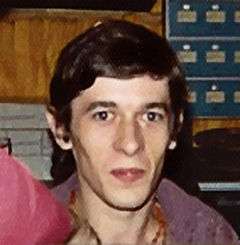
(203,124)
(158,7)
(31,40)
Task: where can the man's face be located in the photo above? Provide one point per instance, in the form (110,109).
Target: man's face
(120,131)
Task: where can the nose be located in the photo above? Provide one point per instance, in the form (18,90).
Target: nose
(129,138)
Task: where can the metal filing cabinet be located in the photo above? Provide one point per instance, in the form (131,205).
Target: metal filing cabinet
(199,18)
(206,37)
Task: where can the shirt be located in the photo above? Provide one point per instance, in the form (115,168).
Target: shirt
(189,220)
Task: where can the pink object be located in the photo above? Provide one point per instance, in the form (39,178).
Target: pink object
(29,214)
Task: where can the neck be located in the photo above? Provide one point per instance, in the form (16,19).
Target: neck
(112,224)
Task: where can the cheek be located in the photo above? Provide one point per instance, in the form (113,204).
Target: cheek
(85,155)
(95,132)
(91,142)
(158,134)
(156,142)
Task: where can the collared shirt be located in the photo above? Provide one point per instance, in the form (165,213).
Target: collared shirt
(189,221)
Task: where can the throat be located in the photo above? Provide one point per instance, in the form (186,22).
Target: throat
(118,227)
(131,233)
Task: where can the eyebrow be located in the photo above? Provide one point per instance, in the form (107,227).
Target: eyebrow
(158,105)
(95,104)
(111,104)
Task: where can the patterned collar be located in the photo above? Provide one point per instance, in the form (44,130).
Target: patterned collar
(160,235)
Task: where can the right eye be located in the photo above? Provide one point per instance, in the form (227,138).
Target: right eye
(153,116)
(103,116)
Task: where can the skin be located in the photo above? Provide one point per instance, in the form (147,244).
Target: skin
(119,124)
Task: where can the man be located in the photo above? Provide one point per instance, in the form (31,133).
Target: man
(116,104)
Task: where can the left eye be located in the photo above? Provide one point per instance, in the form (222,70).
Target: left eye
(153,116)
(103,116)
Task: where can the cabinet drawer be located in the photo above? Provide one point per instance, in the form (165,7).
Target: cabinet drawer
(214,98)
(209,58)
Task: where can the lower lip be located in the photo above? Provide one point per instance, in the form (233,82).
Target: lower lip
(128,175)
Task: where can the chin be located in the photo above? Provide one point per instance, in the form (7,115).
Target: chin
(129,200)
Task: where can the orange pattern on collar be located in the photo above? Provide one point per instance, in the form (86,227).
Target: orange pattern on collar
(156,212)
(162,224)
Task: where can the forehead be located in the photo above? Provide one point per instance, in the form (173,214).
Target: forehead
(142,89)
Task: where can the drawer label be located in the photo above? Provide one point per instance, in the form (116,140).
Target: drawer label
(215,16)
(237,97)
(237,16)
(192,97)
(237,56)
(187,56)
(215,97)
(215,57)
(186,16)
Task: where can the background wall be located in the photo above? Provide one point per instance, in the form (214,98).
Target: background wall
(26,125)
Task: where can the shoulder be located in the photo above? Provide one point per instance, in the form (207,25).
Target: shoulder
(190,220)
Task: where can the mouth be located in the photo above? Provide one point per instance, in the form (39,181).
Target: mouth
(128,175)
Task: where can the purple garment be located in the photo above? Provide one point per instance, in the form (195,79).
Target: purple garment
(190,221)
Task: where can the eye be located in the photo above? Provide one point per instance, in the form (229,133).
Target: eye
(103,115)
(153,116)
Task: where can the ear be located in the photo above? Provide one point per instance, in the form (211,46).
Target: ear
(61,136)
(173,143)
